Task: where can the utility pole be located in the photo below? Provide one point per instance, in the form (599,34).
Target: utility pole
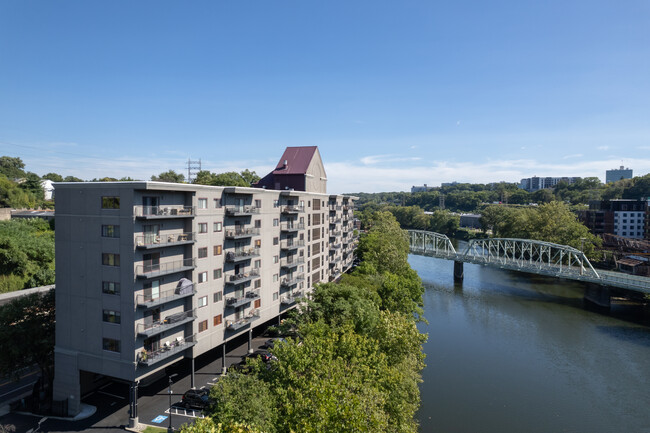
(193,168)
(442,201)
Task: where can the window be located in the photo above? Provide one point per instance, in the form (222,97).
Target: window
(152,290)
(258,264)
(216,274)
(203,227)
(258,224)
(276,241)
(111,345)
(276,259)
(203,301)
(217,203)
(258,203)
(110,202)
(316,204)
(203,203)
(316,219)
(111,316)
(316,234)
(216,250)
(110,259)
(276,222)
(276,203)
(217,297)
(110,231)
(258,243)
(110,287)
(216,227)
(217,320)
(258,284)
(275,296)
(203,277)
(203,325)
(275,278)
(203,252)
(258,303)
(315,263)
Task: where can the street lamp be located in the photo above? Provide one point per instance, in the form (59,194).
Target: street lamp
(170,429)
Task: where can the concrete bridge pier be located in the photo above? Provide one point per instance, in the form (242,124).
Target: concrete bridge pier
(598,295)
(459,272)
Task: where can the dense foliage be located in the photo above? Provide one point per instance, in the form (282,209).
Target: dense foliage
(356,364)
(229,178)
(26,254)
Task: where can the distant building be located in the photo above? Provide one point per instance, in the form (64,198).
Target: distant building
(535,183)
(48,189)
(617,174)
(423,188)
(626,218)
(449,183)
(468,220)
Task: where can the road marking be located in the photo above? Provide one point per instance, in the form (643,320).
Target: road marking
(19,378)
(16,389)
(190,413)
(111,395)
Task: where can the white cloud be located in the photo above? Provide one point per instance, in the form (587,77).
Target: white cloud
(603,148)
(386,159)
(575,155)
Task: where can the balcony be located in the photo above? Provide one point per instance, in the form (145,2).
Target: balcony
(168,349)
(236,211)
(292,209)
(347,208)
(234,325)
(242,277)
(171,321)
(292,227)
(238,301)
(240,233)
(334,260)
(291,280)
(292,263)
(335,220)
(150,241)
(156,270)
(292,244)
(334,247)
(334,207)
(181,291)
(291,298)
(163,212)
(335,233)
(242,254)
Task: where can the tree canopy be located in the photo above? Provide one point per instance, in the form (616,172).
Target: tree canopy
(229,178)
(169,176)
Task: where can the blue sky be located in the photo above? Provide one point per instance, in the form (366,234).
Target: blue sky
(393,93)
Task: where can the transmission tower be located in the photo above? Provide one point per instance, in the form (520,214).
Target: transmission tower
(193,168)
(442,201)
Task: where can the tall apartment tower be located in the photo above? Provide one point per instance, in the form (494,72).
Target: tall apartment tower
(617,174)
(149,273)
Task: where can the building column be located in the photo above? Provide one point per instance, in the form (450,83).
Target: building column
(133,405)
(250,340)
(67,385)
(192,375)
(223,359)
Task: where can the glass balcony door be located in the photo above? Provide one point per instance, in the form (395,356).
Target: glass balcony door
(149,205)
(151,234)
(152,290)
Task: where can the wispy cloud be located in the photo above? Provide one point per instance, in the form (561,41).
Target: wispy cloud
(386,159)
(603,148)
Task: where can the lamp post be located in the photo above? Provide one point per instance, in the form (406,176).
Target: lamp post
(170,429)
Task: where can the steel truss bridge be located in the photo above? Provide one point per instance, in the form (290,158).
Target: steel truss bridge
(524,255)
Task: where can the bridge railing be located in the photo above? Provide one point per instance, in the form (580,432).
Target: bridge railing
(431,243)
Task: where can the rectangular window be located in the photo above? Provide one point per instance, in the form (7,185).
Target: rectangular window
(315,277)
(258,224)
(276,259)
(110,231)
(315,234)
(203,277)
(275,278)
(258,284)
(217,320)
(111,345)
(258,303)
(203,325)
(276,222)
(258,204)
(217,227)
(203,227)
(110,202)
(203,301)
(203,252)
(203,203)
(111,316)
(216,250)
(217,297)
(216,274)
(217,203)
(316,249)
(258,243)
(258,264)
(276,241)
(315,263)
(110,287)
(316,218)
(316,206)
(275,296)
(110,259)
(276,203)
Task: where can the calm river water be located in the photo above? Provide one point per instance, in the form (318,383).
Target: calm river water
(510,352)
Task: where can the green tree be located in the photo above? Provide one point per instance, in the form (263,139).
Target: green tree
(385,246)
(169,176)
(207,425)
(250,176)
(204,177)
(72,179)
(12,167)
(54,177)
(230,178)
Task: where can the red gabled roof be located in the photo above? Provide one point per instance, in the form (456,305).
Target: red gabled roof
(297,158)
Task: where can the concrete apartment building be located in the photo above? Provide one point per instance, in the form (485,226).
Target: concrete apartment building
(149,273)
(626,218)
(535,183)
(617,174)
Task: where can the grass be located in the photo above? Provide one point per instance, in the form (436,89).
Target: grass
(151,429)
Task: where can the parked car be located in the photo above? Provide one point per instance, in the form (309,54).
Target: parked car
(196,399)
(269,344)
(262,354)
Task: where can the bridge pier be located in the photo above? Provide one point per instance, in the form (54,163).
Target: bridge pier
(459,272)
(598,295)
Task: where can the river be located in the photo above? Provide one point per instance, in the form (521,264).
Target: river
(512,352)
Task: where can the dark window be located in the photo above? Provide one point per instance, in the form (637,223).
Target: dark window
(110,259)
(110,231)
(217,297)
(111,316)
(110,287)
(217,320)
(111,345)
(203,326)
(110,202)
(203,252)
(216,274)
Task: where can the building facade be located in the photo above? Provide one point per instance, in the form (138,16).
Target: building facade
(626,218)
(617,174)
(149,273)
(535,183)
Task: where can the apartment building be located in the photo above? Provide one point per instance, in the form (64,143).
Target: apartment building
(622,217)
(149,273)
(535,183)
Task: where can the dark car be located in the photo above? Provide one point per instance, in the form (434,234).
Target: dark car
(196,399)
(262,354)
(270,344)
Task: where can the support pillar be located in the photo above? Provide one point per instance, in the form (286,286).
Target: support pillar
(223,359)
(250,340)
(598,295)
(192,376)
(279,319)
(133,405)
(459,272)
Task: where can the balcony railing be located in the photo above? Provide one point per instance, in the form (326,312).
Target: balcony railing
(293,227)
(336,220)
(292,263)
(165,211)
(154,270)
(242,254)
(334,207)
(148,301)
(292,280)
(241,210)
(291,298)
(334,260)
(242,277)
(242,233)
(335,233)
(292,209)
(168,349)
(156,241)
(335,246)
(292,244)
(237,301)
(234,325)
(169,322)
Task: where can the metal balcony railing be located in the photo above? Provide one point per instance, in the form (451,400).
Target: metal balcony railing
(242,254)
(164,211)
(154,270)
(171,321)
(237,301)
(292,227)
(334,207)
(336,220)
(335,233)
(292,263)
(241,232)
(234,325)
(292,244)
(293,209)
(148,301)
(242,277)
(335,246)
(241,210)
(292,280)
(291,298)
(156,241)
(167,349)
